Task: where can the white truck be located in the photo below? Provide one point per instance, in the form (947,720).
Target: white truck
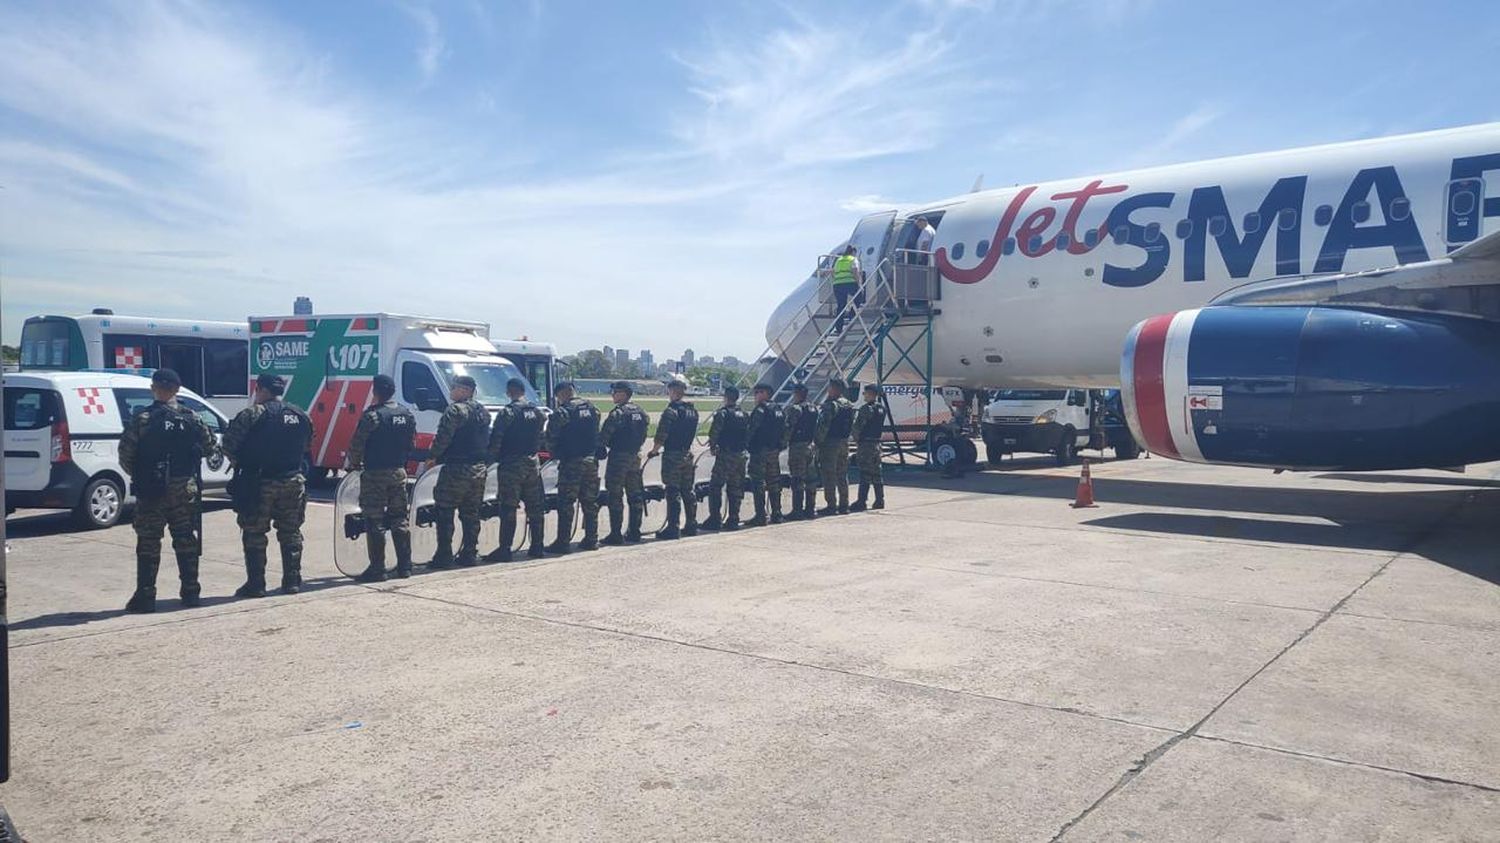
(329,360)
(1057,422)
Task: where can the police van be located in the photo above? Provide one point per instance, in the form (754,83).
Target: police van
(62,441)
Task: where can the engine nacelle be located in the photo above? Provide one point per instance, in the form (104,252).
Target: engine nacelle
(1314,388)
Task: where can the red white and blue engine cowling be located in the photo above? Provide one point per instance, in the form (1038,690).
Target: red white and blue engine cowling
(1314,388)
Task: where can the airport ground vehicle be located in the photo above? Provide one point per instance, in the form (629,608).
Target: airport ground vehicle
(329,359)
(537,362)
(1057,422)
(213,358)
(62,439)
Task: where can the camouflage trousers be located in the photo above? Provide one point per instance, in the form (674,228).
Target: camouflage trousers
(677,475)
(578,479)
(520,480)
(867,459)
(283,502)
(177,509)
(382,499)
(729,472)
(833,464)
(460,487)
(802,463)
(622,479)
(765,470)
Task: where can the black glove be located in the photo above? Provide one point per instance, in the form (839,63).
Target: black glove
(602,453)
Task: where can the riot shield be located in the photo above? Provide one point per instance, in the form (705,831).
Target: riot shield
(422,515)
(784,475)
(350,554)
(703,472)
(489,511)
(654,516)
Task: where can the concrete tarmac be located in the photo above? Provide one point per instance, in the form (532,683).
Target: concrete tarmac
(1211,654)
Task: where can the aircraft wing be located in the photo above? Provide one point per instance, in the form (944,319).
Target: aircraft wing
(1464,283)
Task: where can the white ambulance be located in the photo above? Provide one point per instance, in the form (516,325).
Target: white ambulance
(329,360)
(62,441)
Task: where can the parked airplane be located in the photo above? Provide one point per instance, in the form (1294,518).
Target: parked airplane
(1329,307)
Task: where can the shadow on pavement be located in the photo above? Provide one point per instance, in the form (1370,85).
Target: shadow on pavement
(167,602)
(46,523)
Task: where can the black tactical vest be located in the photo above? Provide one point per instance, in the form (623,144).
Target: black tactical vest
(842,422)
(807,422)
(471,440)
(680,435)
(734,429)
(580,437)
(169,449)
(772,427)
(874,424)
(630,433)
(390,443)
(278,440)
(522,430)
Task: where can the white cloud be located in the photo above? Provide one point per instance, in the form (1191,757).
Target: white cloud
(432,46)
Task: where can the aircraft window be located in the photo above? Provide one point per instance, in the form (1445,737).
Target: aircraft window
(1091,238)
(958,251)
(869,250)
(1008,247)
(1034,244)
(1252,222)
(1360,211)
(1122,235)
(1184,229)
(1153,232)
(1323,214)
(1400,208)
(1462,202)
(982,249)
(1064,241)
(1287,219)
(1218,225)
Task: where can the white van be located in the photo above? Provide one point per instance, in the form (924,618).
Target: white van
(62,441)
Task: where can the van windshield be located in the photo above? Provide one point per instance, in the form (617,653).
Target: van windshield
(1031,395)
(489,375)
(48,344)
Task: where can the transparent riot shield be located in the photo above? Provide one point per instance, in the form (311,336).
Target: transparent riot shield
(784,476)
(423,513)
(489,512)
(655,494)
(549,494)
(350,555)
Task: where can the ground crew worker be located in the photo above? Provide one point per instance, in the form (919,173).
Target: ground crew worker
(869,425)
(459,447)
(767,436)
(572,438)
(835,420)
(381,445)
(268,442)
(675,431)
(620,440)
(728,436)
(160,450)
(845,278)
(514,441)
(801,458)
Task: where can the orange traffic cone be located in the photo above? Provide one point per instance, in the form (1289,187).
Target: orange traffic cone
(1085,497)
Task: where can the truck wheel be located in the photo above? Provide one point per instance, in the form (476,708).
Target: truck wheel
(100,507)
(942,447)
(968,451)
(1067,446)
(1128,449)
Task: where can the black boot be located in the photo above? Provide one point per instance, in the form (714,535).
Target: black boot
(734,512)
(879,496)
(809,502)
(375,547)
(536,551)
(774,494)
(674,511)
(844,497)
(830,501)
(864,493)
(689,513)
(443,557)
(758,497)
(615,538)
(143,601)
(468,549)
(562,545)
(633,534)
(291,569)
(255,574)
(504,553)
(590,531)
(401,541)
(187,572)
(715,521)
(796,513)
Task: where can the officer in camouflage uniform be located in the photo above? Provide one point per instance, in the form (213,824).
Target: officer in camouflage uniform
(675,431)
(572,439)
(869,424)
(802,464)
(381,445)
(514,441)
(620,440)
(160,450)
(459,447)
(835,420)
(767,438)
(728,437)
(267,442)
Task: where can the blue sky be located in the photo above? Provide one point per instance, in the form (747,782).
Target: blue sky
(650,174)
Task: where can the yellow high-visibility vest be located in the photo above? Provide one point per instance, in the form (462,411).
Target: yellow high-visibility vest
(843,271)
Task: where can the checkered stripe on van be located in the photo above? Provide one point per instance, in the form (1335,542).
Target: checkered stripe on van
(130,357)
(91,401)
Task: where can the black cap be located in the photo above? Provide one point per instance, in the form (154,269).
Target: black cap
(872,389)
(762,387)
(274,384)
(466,381)
(838,382)
(799,386)
(384,384)
(166,377)
(622,386)
(732,393)
(560,386)
(515,385)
